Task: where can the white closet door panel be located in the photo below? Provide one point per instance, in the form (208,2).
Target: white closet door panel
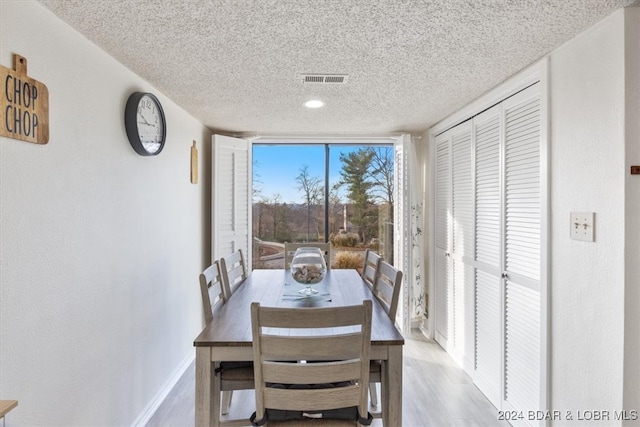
(487,187)
(462,208)
(488,343)
(488,336)
(522,347)
(522,188)
(522,246)
(442,190)
(467,332)
(462,191)
(462,315)
(442,299)
(443,293)
(458,314)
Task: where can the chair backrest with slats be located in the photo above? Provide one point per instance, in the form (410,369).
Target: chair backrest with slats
(290,251)
(370,267)
(387,287)
(212,290)
(233,271)
(336,339)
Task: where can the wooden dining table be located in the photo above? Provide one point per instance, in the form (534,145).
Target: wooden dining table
(228,336)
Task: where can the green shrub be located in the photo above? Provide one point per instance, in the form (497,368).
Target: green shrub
(347,259)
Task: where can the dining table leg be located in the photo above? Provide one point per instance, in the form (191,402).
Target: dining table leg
(392,379)
(205,389)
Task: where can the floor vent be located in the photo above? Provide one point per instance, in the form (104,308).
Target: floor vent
(325,78)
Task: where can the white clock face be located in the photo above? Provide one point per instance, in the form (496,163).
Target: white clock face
(150,124)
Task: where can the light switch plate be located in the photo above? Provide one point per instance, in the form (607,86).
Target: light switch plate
(582,226)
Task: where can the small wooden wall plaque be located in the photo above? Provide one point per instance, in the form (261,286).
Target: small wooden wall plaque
(194,164)
(24,104)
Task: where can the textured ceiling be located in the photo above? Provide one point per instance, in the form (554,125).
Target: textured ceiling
(236,65)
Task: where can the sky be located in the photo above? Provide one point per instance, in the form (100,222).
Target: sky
(275,167)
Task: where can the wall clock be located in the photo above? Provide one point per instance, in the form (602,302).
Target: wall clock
(145,123)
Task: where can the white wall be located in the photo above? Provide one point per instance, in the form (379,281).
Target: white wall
(632,215)
(100,248)
(587,153)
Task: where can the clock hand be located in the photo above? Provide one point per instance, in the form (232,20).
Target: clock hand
(145,120)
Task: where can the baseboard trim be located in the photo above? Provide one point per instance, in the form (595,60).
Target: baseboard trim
(157,400)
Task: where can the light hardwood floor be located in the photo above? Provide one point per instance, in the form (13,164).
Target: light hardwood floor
(436,393)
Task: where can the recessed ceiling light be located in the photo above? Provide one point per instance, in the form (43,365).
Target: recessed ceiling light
(314,103)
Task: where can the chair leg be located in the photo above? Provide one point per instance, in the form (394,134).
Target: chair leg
(373,394)
(226,401)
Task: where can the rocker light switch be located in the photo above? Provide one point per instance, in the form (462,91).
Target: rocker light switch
(582,226)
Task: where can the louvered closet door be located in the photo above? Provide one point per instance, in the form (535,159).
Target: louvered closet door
(489,229)
(487,366)
(442,190)
(230,196)
(461,237)
(523,234)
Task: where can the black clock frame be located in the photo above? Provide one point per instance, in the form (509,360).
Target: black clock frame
(131,123)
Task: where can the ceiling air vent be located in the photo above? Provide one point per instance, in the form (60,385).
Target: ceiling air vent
(325,78)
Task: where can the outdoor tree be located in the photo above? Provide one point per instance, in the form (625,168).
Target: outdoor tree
(381,173)
(274,201)
(256,185)
(355,176)
(335,208)
(284,219)
(312,192)
(258,199)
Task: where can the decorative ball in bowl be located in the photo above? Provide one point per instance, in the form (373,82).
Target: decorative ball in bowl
(308,267)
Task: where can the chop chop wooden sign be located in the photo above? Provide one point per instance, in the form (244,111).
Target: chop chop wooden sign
(24,104)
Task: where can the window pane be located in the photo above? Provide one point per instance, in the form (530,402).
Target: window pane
(360,202)
(288,199)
